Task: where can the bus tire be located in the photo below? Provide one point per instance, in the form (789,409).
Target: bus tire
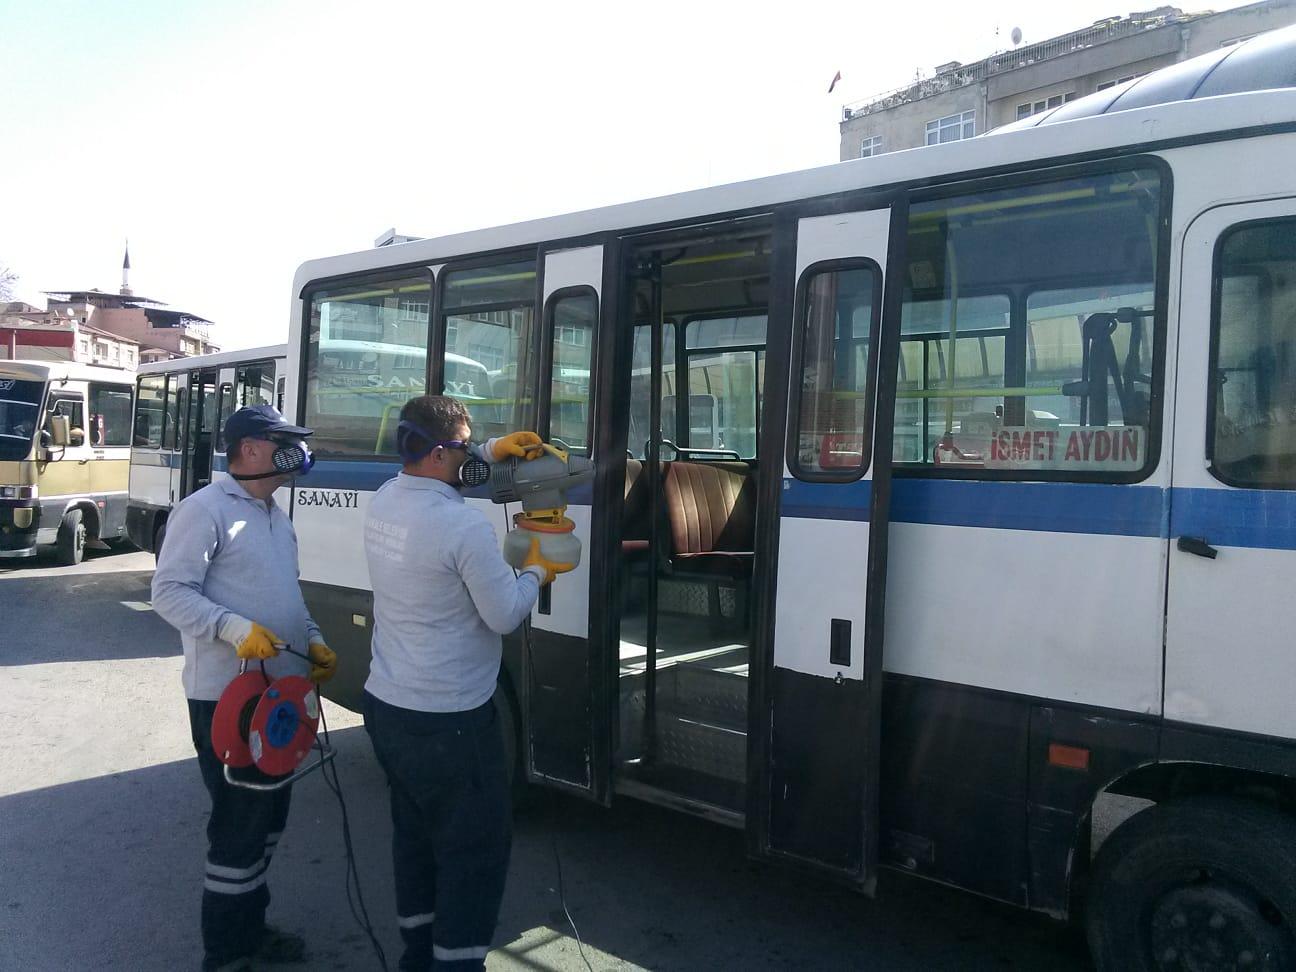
(69,548)
(159,537)
(1205,882)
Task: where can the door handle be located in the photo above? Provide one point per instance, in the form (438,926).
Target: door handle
(1197,546)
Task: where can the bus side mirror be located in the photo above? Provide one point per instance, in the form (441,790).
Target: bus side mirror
(60,435)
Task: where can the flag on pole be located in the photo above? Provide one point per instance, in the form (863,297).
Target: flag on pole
(836,78)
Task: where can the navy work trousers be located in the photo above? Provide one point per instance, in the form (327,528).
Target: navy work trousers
(452,829)
(244,827)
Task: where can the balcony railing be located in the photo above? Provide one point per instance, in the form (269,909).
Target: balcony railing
(1007,61)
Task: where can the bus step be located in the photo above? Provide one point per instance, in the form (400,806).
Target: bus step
(709,750)
(718,698)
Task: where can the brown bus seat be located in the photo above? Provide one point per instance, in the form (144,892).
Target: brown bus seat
(634,510)
(711,508)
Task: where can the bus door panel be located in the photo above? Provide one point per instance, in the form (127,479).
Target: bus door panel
(566,729)
(819,786)
(199,440)
(1231,614)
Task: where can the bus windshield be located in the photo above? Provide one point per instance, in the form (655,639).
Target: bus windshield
(20,402)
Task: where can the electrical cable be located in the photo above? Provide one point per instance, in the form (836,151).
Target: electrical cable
(353,873)
(360,914)
(553,835)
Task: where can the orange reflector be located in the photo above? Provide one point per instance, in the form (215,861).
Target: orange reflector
(1070,757)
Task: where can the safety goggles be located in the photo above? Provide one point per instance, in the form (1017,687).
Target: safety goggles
(452,444)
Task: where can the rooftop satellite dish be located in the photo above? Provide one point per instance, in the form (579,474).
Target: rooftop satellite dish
(1016,36)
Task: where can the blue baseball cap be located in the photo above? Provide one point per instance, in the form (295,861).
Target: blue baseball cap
(258,421)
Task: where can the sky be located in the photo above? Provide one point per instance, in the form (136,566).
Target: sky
(230,142)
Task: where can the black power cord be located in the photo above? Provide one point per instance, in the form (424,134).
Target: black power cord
(360,913)
(553,834)
(355,899)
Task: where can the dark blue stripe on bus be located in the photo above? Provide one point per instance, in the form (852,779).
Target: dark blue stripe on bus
(369,476)
(1137,511)
(1131,511)
(327,474)
(1223,517)
(1264,518)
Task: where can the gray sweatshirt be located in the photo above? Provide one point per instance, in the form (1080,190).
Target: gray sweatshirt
(227,553)
(443,595)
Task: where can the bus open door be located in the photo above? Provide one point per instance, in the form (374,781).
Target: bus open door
(816,713)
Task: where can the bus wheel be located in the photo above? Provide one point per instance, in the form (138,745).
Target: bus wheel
(70,546)
(159,537)
(1203,883)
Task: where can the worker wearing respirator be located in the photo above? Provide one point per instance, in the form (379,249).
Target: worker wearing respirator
(443,596)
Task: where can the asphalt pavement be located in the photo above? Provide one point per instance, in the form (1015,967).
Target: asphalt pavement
(101,837)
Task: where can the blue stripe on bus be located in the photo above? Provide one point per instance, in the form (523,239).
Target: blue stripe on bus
(1056,507)
(1224,517)
(1131,511)
(1264,518)
(331,474)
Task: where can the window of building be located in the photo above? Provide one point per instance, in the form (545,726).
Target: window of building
(871,146)
(367,356)
(150,412)
(488,315)
(1028,331)
(834,425)
(951,128)
(1028,108)
(110,415)
(1104,85)
(1251,435)
(574,316)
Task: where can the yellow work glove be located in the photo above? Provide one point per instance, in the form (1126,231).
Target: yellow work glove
(250,640)
(323,662)
(524,445)
(551,568)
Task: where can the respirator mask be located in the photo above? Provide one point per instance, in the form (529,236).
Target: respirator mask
(413,443)
(292,457)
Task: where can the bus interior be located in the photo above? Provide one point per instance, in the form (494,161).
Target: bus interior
(697,308)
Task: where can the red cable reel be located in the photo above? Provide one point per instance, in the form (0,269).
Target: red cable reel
(267,724)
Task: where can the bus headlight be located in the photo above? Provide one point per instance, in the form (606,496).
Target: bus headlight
(19,492)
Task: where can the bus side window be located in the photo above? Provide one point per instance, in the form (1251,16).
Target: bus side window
(1252,425)
(1028,328)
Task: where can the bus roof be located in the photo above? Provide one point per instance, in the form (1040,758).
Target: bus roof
(1137,129)
(213,360)
(35,370)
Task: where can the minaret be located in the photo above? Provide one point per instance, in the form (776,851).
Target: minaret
(125,287)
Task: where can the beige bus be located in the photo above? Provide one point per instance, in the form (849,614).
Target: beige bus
(65,434)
